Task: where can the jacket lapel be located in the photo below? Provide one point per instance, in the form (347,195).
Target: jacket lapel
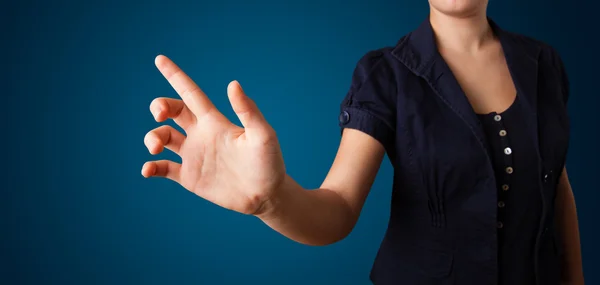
(418,51)
(522,61)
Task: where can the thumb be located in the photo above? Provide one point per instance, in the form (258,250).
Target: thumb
(245,108)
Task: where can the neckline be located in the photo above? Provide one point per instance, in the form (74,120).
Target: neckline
(493,113)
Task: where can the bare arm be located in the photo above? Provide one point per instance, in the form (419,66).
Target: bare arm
(242,168)
(328,214)
(566,216)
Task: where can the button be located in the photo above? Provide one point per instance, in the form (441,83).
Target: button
(497,118)
(500,225)
(547,176)
(505,187)
(509,170)
(502,133)
(507,151)
(501,204)
(344,117)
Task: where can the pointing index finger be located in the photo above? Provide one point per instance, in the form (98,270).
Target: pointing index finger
(192,95)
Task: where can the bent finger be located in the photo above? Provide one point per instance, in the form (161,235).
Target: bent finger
(162,168)
(164,136)
(164,108)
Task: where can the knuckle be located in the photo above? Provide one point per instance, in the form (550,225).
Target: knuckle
(164,128)
(189,92)
(271,134)
(179,108)
(163,104)
(268,139)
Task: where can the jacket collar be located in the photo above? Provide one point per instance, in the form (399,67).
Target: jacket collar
(418,52)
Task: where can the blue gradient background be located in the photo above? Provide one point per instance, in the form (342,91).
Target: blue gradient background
(78,77)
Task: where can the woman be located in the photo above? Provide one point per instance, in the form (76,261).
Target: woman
(474,121)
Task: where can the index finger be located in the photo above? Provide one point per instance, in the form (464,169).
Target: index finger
(192,95)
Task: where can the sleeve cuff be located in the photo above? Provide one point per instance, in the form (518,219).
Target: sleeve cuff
(362,120)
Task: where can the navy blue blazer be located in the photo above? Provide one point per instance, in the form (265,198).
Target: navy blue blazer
(442,227)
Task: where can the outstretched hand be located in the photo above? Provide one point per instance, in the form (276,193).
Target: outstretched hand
(238,168)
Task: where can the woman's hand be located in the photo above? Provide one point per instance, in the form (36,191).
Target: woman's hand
(237,168)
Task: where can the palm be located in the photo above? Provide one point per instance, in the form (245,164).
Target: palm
(236,168)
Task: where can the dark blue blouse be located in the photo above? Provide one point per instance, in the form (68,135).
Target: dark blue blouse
(519,204)
(443,224)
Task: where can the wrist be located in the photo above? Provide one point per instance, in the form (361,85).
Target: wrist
(272,207)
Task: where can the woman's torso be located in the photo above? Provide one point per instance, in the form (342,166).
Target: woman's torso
(444,214)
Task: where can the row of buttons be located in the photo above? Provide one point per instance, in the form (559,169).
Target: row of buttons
(509,170)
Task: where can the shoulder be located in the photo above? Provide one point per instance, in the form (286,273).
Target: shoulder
(547,53)
(377,65)
(373,61)
(549,61)
(548,57)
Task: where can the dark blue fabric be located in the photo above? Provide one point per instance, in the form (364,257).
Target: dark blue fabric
(519,203)
(443,220)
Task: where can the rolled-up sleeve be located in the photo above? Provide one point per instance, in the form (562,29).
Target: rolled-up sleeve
(370,104)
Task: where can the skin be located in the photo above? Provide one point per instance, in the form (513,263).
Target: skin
(566,219)
(242,169)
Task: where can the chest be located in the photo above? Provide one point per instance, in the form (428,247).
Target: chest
(441,144)
(485,79)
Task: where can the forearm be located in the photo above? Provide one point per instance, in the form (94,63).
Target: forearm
(566,215)
(312,217)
